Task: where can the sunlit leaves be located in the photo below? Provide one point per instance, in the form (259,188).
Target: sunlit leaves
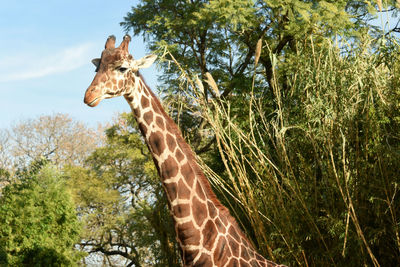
(38,222)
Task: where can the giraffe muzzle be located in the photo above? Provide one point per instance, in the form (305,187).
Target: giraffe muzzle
(94,103)
(90,100)
(92,96)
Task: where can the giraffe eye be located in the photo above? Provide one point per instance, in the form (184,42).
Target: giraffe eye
(122,69)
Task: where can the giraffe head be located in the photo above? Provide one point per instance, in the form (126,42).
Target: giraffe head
(116,72)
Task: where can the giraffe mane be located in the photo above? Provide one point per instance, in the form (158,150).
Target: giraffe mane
(187,150)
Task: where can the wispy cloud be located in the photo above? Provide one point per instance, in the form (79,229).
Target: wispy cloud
(28,66)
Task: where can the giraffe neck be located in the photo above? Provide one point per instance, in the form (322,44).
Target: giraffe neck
(206,232)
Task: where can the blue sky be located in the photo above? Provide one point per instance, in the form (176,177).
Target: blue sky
(45,53)
(46,49)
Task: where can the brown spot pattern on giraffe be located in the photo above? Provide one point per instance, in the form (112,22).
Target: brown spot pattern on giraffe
(148,117)
(199,211)
(156,143)
(188,234)
(234,246)
(188,173)
(130,84)
(144,101)
(245,243)
(233,263)
(179,156)
(157,167)
(251,252)
(211,209)
(221,252)
(244,254)
(209,235)
(136,111)
(171,191)
(181,210)
(169,168)
(224,217)
(220,226)
(199,191)
(204,261)
(129,98)
(160,124)
(155,107)
(171,142)
(258,257)
(143,128)
(183,190)
(233,233)
(189,255)
(243,263)
(170,128)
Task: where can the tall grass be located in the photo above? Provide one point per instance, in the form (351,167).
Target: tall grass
(314,161)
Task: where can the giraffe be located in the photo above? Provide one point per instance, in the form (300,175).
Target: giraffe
(206,232)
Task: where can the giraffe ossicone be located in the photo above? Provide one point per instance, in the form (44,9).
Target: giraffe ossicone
(206,232)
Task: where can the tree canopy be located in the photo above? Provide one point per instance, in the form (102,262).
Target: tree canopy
(38,221)
(56,137)
(293,107)
(120,201)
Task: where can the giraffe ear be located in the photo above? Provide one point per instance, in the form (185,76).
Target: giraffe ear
(144,62)
(96,62)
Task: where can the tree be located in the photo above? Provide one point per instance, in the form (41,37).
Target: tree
(220,37)
(55,137)
(121,204)
(5,160)
(38,222)
(4,147)
(303,144)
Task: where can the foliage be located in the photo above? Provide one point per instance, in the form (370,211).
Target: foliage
(56,137)
(220,37)
(38,223)
(4,144)
(317,178)
(323,168)
(303,147)
(120,201)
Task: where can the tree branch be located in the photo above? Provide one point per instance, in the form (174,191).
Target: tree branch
(206,147)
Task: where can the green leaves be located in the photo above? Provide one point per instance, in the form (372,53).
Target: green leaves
(120,201)
(38,223)
(228,13)
(312,120)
